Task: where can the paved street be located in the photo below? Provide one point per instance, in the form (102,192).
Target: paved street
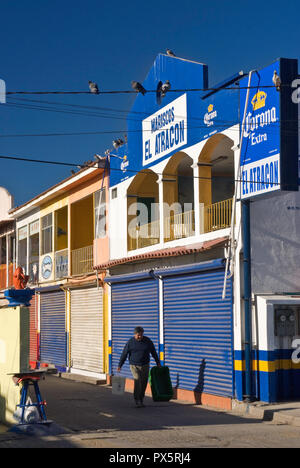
(94,418)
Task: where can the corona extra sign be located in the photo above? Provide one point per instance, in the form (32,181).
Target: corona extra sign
(267,155)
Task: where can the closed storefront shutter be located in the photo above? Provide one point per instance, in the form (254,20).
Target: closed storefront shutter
(53,342)
(33,324)
(87,329)
(133,304)
(198,332)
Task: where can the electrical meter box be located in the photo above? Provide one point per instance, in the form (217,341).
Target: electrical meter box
(286,320)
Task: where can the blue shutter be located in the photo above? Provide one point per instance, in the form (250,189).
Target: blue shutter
(53,342)
(198,332)
(133,304)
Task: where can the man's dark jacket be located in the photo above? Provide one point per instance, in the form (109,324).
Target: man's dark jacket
(139,352)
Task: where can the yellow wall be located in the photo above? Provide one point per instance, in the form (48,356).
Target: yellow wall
(61,225)
(82,223)
(14,357)
(54,205)
(105,328)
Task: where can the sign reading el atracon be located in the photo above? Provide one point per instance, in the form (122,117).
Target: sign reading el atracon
(165,131)
(269,155)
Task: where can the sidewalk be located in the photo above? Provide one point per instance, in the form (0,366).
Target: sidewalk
(278,413)
(86,415)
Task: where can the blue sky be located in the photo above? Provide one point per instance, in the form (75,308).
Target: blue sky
(59,46)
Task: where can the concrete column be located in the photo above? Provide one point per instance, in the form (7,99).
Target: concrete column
(196,198)
(161,209)
(69,240)
(7,261)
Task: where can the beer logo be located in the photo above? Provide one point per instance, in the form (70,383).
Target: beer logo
(124,164)
(210,115)
(259,100)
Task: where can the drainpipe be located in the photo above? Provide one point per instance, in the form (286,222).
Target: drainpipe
(247,296)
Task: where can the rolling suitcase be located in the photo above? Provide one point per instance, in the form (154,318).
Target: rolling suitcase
(160,383)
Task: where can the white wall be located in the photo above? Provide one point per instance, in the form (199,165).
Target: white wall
(275,242)
(6,203)
(118,207)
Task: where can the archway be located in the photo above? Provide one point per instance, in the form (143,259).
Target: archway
(142,210)
(216,182)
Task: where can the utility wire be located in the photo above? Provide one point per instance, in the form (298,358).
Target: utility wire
(219,123)
(145,171)
(148,91)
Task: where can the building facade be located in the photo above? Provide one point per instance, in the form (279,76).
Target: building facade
(196,159)
(7,240)
(60,235)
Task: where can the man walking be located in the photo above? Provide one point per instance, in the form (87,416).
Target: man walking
(138,349)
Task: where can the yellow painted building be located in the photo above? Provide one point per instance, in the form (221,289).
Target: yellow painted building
(14,357)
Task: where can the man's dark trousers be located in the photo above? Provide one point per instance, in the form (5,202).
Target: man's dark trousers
(140,375)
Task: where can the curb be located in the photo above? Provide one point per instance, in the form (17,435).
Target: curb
(275,416)
(248,409)
(82,378)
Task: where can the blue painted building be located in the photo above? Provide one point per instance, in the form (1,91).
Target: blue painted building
(177,185)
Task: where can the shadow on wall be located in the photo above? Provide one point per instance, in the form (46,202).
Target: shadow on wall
(6,414)
(198,390)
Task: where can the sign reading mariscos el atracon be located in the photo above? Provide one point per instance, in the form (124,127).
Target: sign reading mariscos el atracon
(165,131)
(269,157)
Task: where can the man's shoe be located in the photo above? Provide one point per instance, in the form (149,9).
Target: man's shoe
(142,404)
(138,404)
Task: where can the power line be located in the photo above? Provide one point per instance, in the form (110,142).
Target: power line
(145,171)
(148,91)
(218,123)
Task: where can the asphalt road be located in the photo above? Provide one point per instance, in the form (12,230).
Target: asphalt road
(89,416)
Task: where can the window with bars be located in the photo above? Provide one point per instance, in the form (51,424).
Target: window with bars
(100,213)
(47,227)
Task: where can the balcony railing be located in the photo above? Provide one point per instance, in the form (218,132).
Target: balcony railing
(179,226)
(213,218)
(217,216)
(82,260)
(143,236)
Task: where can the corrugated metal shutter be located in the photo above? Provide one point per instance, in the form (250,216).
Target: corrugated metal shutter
(33,322)
(53,341)
(87,329)
(198,332)
(133,304)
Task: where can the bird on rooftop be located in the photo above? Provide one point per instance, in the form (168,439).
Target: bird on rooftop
(276,80)
(171,53)
(138,87)
(93,87)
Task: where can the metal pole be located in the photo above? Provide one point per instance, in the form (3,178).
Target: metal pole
(231,248)
(247,296)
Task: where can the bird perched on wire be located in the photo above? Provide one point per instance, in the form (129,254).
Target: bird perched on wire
(93,87)
(117,143)
(171,53)
(277,80)
(138,87)
(165,87)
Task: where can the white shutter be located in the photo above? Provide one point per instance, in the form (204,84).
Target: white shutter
(87,329)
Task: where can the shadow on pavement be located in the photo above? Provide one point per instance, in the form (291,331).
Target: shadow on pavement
(84,407)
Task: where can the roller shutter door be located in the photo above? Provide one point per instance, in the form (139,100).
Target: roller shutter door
(198,332)
(53,341)
(133,304)
(33,323)
(87,329)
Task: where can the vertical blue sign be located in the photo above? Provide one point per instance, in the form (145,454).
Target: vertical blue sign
(260,155)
